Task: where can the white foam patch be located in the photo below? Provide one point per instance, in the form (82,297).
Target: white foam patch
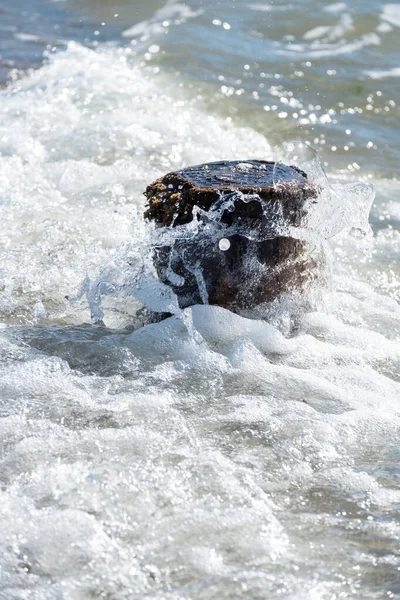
(26,37)
(269,7)
(319,49)
(383,74)
(391,14)
(384,28)
(316,32)
(336,7)
(175,11)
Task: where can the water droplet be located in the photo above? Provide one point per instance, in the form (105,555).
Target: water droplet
(224,244)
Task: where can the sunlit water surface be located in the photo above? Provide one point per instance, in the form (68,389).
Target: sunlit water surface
(208,456)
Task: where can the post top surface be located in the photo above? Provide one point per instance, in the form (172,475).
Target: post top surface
(242,174)
(171,198)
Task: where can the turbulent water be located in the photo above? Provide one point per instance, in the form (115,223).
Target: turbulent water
(208,456)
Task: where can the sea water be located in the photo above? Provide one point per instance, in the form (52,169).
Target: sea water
(208,456)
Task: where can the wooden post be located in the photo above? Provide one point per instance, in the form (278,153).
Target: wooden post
(240,254)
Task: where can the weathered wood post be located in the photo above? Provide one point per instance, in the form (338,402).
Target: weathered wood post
(240,253)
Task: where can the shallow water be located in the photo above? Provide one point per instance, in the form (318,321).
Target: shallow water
(208,456)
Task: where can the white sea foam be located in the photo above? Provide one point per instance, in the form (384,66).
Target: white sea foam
(316,32)
(157,24)
(320,49)
(330,33)
(206,456)
(384,28)
(391,14)
(377,74)
(269,7)
(26,37)
(336,7)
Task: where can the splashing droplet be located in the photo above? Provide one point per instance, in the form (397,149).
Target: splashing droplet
(224,244)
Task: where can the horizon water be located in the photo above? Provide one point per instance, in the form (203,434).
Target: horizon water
(209,456)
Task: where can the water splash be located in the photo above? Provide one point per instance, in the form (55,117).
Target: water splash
(339,210)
